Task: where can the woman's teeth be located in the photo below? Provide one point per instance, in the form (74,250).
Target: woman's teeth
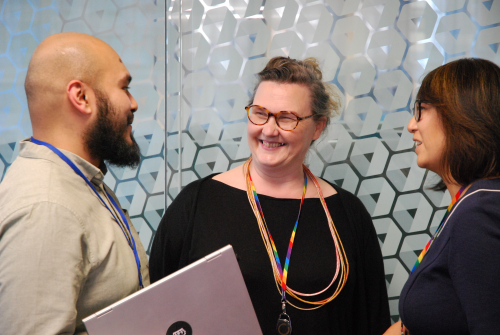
(417,143)
(272,145)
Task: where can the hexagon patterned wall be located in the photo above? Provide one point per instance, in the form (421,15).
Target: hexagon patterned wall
(136,30)
(375,51)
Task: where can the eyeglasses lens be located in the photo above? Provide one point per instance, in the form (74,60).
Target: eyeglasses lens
(416,110)
(259,116)
(287,121)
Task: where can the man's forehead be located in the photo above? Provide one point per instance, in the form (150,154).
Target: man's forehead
(125,75)
(116,70)
(117,77)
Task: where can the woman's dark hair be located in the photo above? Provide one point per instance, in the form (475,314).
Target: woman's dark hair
(324,100)
(466,94)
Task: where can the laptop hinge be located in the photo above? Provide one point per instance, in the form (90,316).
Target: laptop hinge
(213,255)
(104,311)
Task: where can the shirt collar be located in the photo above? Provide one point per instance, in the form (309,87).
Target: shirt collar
(28,149)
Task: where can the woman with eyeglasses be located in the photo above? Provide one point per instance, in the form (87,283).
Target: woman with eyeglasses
(307,249)
(454,287)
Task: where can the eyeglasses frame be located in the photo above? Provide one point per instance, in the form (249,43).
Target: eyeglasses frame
(269,114)
(417,114)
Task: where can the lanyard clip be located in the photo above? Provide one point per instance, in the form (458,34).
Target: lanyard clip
(283,305)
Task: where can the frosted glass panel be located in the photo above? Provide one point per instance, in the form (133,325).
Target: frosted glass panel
(375,51)
(136,30)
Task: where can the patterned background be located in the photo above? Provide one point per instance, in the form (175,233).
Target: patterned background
(375,51)
(136,30)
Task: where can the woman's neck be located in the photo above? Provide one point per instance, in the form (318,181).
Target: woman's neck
(453,187)
(285,184)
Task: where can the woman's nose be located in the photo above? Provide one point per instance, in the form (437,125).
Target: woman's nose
(271,127)
(412,125)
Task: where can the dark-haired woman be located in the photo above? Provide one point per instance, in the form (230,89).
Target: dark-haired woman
(335,283)
(454,287)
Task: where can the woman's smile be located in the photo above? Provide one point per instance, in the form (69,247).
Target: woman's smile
(271,144)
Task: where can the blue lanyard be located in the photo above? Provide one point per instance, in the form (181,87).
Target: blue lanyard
(118,209)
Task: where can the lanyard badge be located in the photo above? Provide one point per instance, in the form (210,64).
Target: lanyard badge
(284,324)
(131,242)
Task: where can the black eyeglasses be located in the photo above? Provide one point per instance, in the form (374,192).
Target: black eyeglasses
(259,116)
(417,108)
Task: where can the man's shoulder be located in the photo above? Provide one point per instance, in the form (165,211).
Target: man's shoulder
(23,178)
(30,181)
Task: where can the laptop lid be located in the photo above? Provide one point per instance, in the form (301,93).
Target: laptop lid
(208,296)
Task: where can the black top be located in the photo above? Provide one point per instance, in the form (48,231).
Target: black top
(456,288)
(208,215)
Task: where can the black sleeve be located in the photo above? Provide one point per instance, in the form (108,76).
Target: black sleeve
(474,261)
(374,275)
(173,236)
(371,267)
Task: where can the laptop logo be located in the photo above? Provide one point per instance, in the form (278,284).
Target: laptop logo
(180,328)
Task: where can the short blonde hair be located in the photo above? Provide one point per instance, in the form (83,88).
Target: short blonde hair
(325,101)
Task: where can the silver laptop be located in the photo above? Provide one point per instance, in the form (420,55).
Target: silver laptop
(206,297)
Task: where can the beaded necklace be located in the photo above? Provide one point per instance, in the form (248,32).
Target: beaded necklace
(280,275)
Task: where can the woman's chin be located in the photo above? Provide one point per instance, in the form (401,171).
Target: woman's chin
(267,160)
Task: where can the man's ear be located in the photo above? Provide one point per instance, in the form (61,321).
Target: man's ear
(79,96)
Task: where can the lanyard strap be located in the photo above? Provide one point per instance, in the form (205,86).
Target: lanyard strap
(283,272)
(130,242)
(438,230)
(342,264)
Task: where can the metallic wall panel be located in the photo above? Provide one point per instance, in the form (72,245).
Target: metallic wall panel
(375,51)
(136,30)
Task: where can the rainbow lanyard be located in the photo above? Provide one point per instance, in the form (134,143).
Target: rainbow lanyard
(284,272)
(438,230)
(131,241)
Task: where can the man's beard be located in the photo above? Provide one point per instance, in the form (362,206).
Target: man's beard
(105,139)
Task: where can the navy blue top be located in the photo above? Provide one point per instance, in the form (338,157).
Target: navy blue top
(456,288)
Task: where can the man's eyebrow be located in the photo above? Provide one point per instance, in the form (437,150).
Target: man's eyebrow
(127,79)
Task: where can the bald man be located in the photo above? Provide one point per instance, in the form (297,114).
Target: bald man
(67,249)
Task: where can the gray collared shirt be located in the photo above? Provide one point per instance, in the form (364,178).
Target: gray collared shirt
(62,254)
